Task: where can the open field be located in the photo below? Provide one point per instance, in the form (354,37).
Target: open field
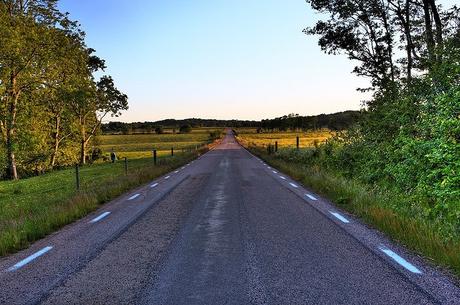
(284,138)
(34,207)
(140,145)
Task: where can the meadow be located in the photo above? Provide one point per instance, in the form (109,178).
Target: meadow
(34,207)
(141,145)
(285,139)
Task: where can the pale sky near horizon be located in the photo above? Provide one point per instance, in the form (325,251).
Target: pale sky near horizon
(240,59)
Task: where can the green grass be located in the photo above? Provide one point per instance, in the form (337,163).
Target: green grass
(142,145)
(375,207)
(34,207)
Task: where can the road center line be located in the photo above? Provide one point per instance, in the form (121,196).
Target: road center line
(154,185)
(339,217)
(167,177)
(29,259)
(311,197)
(400,260)
(105,214)
(282,177)
(293,184)
(134,196)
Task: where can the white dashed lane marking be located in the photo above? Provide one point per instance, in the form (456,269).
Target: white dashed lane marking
(275,172)
(311,197)
(103,215)
(154,185)
(282,177)
(339,217)
(134,196)
(30,258)
(293,184)
(400,260)
(167,177)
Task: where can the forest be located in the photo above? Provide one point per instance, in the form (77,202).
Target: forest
(51,103)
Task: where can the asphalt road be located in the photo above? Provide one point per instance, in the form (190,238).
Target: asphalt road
(225,229)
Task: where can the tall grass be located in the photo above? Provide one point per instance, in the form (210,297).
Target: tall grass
(375,207)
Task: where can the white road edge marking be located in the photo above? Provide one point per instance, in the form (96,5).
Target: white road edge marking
(282,177)
(134,196)
(30,258)
(154,185)
(275,172)
(167,177)
(105,214)
(339,217)
(293,184)
(311,197)
(400,260)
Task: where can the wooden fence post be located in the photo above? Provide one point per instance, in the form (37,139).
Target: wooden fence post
(77,176)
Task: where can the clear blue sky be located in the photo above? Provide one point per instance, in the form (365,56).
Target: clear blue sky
(245,59)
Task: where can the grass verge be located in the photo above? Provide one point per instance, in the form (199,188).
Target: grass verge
(33,208)
(373,207)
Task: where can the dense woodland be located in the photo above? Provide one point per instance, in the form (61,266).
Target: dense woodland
(51,105)
(334,121)
(408,139)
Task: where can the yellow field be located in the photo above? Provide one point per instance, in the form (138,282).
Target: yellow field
(284,139)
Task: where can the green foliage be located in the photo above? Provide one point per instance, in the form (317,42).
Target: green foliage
(51,104)
(159,130)
(394,213)
(185,128)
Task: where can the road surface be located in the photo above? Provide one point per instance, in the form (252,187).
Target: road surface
(224,229)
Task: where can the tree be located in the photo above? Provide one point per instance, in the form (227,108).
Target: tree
(27,42)
(92,102)
(185,128)
(159,130)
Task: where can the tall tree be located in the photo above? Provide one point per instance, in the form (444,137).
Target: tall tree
(26,47)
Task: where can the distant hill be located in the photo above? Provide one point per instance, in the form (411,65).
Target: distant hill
(334,121)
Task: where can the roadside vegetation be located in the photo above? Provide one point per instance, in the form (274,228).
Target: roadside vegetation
(398,167)
(34,207)
(395,213)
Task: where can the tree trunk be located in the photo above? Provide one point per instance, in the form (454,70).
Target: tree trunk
(83,141)
(428,30)
(437,21)
(12,171)
(408,41)
(83,152)
(57,126)
(11,129)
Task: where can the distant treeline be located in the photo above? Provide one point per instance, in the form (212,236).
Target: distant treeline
(335,121)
